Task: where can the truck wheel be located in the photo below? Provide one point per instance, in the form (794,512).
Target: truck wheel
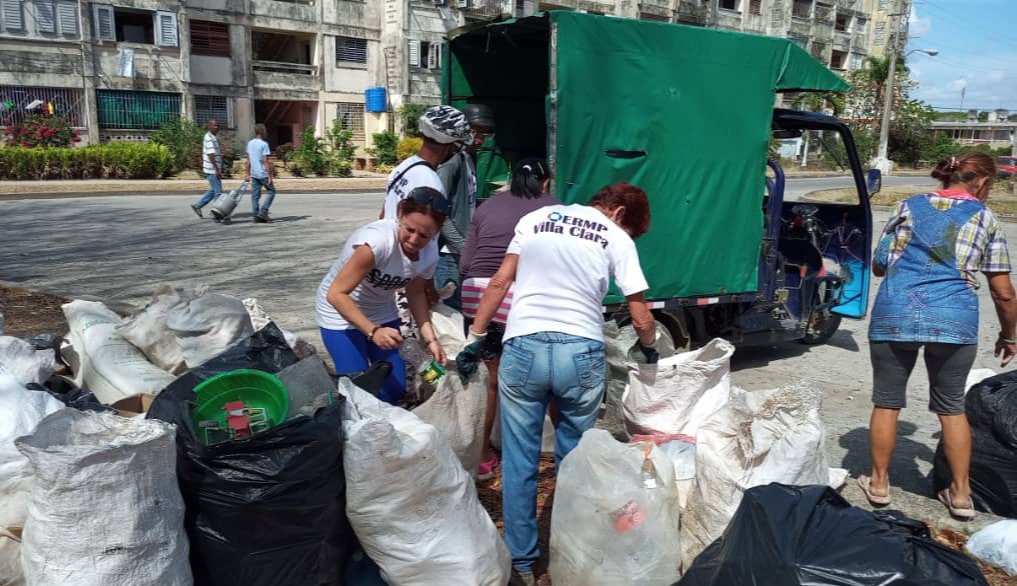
(822,326)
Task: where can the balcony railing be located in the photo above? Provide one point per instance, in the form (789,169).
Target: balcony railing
(283,67)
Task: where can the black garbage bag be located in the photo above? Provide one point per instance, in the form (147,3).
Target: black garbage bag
(70,395)
(806,535)
(268,510)
(991,408)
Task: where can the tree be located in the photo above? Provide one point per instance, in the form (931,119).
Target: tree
(820,102)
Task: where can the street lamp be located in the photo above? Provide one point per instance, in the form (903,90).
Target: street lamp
(882,162)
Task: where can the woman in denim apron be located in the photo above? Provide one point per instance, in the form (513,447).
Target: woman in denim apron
(930,254)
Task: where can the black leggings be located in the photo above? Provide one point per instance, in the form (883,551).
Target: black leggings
(948,366)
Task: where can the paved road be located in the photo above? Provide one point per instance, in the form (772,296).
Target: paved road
(799,186)
(120,247)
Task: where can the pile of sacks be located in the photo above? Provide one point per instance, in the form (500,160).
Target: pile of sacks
(90,495)
(639,512)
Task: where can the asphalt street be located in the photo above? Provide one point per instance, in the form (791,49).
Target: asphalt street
(118,248)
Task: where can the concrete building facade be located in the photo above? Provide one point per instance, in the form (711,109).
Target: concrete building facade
(122,68)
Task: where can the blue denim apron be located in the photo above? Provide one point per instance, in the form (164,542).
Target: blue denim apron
(924,297)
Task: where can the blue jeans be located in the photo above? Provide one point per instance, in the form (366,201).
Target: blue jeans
(351,352)
(534,369)
(448,270)
(214,189)
(256,184)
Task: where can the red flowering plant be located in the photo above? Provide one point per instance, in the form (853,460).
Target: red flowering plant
(41,130)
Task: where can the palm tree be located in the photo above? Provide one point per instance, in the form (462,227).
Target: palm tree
(875,71)
(819,101)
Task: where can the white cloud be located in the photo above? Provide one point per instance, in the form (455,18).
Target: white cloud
(985,83)
(996,75)
(918,26)
(957,85)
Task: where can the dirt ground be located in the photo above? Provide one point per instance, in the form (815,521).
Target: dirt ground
(28,313)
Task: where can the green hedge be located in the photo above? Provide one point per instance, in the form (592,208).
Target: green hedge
(106,161)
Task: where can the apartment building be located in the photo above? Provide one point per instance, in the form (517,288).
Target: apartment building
(122,68)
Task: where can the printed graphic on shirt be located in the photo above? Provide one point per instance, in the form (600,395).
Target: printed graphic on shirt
(385,281)
(558,223)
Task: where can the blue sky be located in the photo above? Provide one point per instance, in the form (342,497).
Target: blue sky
(977,45)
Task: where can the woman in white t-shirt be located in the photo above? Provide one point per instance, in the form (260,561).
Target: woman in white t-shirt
(356,307)
(561,260)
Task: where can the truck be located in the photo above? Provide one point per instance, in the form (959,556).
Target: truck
(687,114)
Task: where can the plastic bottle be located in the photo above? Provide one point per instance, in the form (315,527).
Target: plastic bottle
(429,370)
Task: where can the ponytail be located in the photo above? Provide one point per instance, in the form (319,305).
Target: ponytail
(528,178)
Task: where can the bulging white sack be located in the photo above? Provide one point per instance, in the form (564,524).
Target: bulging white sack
(106,363)
(207,325)
(24,362)
(147,329)
(616,515)
(20,411)
(622,357)
(105,508)
(678,393)
(411,504)
(457,411)
(757,438)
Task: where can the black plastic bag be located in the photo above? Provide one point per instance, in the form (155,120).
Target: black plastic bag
(806,535)
(269,510)
(991,408)
(70,395)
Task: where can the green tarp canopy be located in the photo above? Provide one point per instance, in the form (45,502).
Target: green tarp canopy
(683,112)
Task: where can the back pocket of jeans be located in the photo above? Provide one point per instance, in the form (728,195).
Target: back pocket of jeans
(515,366)
(591,368)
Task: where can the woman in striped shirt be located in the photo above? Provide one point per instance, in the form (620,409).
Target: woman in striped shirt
(491,229)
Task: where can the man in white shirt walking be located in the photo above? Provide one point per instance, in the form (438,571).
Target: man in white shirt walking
(259,174)
(211,166)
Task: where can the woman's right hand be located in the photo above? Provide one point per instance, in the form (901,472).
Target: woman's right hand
(387,338)
(1007,350)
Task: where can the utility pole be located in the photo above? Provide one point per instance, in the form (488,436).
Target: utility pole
(882,161)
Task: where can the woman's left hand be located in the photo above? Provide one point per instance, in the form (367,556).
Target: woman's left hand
(436,351)
(1008,351)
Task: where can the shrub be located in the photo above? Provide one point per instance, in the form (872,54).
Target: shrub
(408,147)
(340,153)
(106,161)
(183,139)
(385,148)
(41,130)
(410,114)
(308,158)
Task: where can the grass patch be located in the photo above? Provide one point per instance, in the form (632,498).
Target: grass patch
(1001,199)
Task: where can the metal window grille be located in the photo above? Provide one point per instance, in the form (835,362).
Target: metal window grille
(350,50)
(136,110)
(15,101)
(352,116)
(210,38)
(219,108)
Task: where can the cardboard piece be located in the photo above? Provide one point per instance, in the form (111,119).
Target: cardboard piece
(134,405)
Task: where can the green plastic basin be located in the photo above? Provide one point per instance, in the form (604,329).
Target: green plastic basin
(254,388)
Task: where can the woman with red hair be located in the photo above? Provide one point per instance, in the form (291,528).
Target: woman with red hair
(560,260)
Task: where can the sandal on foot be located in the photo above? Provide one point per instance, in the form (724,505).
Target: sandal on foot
(964,513)
(875,500)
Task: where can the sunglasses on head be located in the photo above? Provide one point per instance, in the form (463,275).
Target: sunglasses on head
(431,197)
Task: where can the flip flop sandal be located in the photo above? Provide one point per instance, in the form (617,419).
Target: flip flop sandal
(874,499)
(965,513)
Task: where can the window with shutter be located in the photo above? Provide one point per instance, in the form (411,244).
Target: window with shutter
(756,7)
(45,16)
(104,25)
(414,52)
(437,49)
(166,29)
(210,38)
(432,56)
(350,50)
(13,15)
(67,18)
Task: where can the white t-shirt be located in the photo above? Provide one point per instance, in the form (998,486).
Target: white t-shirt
(375,295)
(567,256)
(210,146)
(421,175)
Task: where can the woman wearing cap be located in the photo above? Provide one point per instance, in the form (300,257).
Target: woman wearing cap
(560,260)
(491,229)
(931,252)
(356,307)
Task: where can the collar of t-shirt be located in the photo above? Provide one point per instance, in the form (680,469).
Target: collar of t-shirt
(955,194)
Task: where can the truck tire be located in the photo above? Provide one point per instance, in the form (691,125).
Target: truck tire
(821,328)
